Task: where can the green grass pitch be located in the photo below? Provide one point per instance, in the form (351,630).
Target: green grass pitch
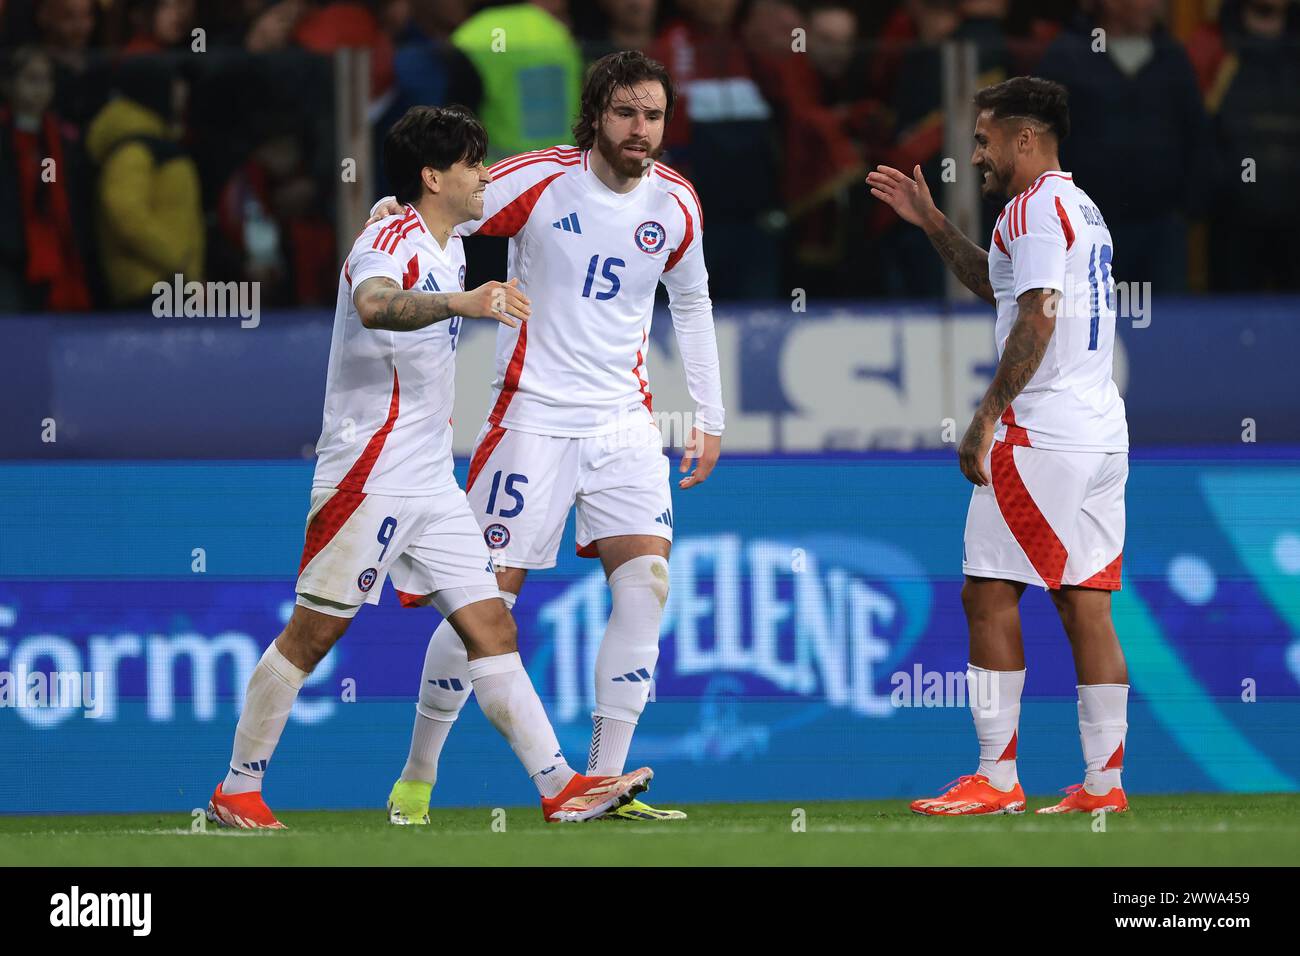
(1197,829)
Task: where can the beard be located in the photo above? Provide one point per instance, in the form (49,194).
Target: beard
(997,183)
(627,166)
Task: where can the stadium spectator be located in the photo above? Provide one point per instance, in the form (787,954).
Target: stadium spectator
(906,261)
(722,136)
(1254,102)
(271,28)
(334,26)
(1139,142)
(427,69)
(149,208)
(66,29)
(42,236)
(625,25)
(826,117)
(531,96)
(159,25)
(269,222)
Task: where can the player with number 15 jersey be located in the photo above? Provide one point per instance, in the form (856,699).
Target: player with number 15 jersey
(593,229)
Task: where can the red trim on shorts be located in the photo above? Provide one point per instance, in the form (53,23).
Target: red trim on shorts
(325,524)
(1015,434)
(355,479)
(483,452)
(513,372)
(410,600)
(1107,579)
(588,550)
(1032,532)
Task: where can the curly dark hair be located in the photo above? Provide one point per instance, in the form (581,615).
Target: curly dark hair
(436,136)
(612,72)
(1031,96)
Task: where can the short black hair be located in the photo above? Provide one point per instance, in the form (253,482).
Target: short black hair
(612,72)
(434,136)
(1030,96)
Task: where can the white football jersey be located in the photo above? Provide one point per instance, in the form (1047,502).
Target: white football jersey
(1052,236)
(590,260)
(388,395)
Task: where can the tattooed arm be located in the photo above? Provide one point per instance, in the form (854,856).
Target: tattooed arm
(911,199)
(1021,356)
(383,304)
(968,262)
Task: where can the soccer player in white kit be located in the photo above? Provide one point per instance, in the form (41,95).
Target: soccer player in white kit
(1047,449)
(594,228)
(384,501)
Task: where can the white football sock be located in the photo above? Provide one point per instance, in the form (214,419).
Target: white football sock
(509,701)
(995,704)
(272,689)
(1103,724)
(444,688)
(626,661)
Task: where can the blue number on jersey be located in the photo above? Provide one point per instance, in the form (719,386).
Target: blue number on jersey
(385,536)
(518,496)
(607,273)
(1099,278)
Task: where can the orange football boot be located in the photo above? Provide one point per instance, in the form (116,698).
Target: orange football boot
(1079,800)
(244,811)
(586,798)
(971,795)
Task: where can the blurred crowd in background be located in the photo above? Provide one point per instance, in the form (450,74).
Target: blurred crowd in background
(212,153)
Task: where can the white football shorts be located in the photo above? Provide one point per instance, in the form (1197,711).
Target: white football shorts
(521,487)
(430,546)
(1049,518)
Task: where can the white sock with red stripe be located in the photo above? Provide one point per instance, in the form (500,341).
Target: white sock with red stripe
(995,704)
(272,689)
(1103,724)
(509,701)
(444,688)
(625,664)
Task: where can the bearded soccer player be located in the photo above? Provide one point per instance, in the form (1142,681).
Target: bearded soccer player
(384,500)
(594,228)
(1047,449)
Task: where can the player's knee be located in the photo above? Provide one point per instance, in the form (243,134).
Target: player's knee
(972,601)
(307,638)
(648,571)
(502,636)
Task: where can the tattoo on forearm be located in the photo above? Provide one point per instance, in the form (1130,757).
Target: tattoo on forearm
(402,310)
(968,262)
(1022,354)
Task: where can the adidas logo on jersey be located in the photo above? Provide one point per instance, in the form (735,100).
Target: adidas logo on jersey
(569,223)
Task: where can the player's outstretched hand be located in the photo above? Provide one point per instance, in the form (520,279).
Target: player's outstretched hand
(908,197)
(390,208)
(502,301)
(974,448)
(704,449)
